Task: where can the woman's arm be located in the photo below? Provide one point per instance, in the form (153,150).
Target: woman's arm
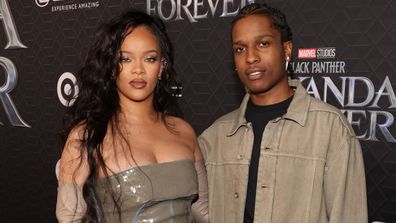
(70,204)
(200,207)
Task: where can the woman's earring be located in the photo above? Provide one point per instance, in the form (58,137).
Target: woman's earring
(164,63)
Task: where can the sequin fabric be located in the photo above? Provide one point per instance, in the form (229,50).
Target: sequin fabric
(156,193)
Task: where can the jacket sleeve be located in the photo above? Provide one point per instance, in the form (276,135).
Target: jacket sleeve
(344,183)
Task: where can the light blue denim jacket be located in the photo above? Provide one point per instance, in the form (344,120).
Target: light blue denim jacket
(310,169)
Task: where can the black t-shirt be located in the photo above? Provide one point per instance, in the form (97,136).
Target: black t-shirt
(259,116)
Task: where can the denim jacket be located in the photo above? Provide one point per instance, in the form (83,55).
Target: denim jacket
(310,169)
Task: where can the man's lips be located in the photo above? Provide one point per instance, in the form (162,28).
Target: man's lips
(138,83)
(254,74)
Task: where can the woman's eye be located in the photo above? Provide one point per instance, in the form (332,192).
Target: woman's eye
(150,59)
(124,59)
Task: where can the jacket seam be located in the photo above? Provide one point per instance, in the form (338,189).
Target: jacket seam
(240,162)
(338,115)
(294,156)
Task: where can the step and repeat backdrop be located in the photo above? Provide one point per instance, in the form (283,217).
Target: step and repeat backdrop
(344,52)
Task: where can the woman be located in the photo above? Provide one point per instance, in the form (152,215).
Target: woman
(126,157)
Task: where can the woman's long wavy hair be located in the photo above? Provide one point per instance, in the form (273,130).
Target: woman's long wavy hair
(97,104)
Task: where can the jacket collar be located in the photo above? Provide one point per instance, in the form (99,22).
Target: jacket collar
(297,111)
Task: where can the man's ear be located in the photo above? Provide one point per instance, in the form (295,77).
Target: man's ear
(287,48)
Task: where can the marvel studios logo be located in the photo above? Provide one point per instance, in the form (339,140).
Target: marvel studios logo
(317,53)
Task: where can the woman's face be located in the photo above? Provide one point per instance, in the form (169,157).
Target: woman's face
(140,66)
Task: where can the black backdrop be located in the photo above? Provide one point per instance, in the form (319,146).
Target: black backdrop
(344,52)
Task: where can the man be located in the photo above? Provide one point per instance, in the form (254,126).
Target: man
(283,156)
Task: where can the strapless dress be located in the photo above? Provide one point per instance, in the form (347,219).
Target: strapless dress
(155,193)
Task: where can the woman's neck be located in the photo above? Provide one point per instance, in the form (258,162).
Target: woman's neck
(138,113)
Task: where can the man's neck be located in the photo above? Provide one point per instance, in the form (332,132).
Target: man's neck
(268,98)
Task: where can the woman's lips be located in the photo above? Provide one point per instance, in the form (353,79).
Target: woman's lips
(138,83)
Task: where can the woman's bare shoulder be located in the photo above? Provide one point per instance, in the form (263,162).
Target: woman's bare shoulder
(181,127)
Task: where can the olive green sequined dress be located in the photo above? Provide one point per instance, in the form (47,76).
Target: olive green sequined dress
(156,193)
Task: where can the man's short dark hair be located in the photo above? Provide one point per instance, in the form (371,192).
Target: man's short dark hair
(277,17)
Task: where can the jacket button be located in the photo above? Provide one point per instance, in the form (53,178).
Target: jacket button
(236,195)
(240,156)
(263,186)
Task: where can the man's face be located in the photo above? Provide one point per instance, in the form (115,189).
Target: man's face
(259,56)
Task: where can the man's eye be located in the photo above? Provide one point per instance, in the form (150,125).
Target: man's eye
(239,49)
(263,44)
